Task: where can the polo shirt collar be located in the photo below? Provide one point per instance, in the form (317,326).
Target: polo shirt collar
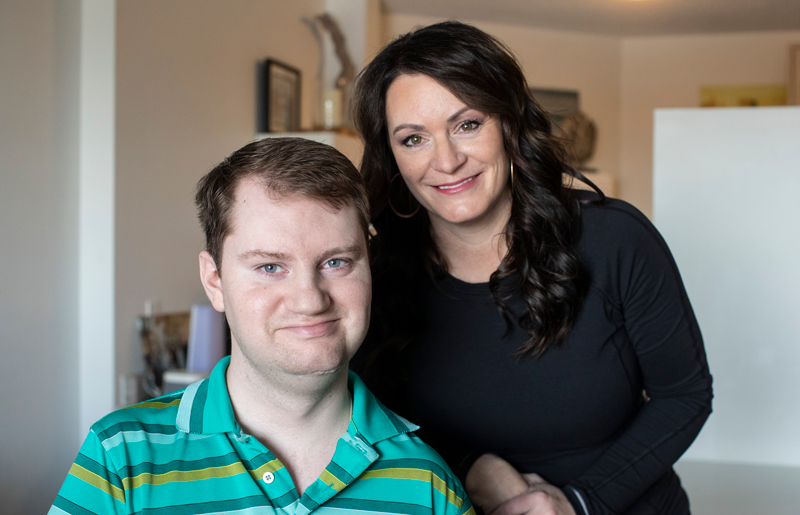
(374,421)
(206,408)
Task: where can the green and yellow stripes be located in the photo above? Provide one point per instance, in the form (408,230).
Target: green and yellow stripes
(332,481)
(135,426)
(155,404)
(209,468)
(150,474)
(336,477)
(417,474)
(271,466)
(183,476)
(184,454)
(97,481)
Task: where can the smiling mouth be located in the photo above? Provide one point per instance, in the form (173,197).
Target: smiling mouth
(456,184)
(310,330)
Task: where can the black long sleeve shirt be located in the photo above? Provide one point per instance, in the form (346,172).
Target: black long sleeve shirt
(576,415)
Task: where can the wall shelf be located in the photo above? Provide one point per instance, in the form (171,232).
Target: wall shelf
(347,143)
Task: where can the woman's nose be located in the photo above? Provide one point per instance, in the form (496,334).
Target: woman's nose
(448,157)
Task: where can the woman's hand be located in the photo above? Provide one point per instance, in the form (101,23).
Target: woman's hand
(540,498)
(491,481)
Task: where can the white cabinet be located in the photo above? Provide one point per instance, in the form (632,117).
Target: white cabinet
(725,198)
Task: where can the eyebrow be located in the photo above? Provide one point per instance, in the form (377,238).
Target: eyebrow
(263,254)
(416,127)
(408,126)
(458,113)
(355,249)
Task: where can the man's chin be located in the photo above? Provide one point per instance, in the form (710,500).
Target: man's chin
(320,370)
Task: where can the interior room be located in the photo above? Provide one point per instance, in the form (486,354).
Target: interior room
(111,110)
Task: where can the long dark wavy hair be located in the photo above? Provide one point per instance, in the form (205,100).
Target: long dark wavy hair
(544,222)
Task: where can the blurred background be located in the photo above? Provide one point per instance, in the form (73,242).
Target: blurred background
(110,111)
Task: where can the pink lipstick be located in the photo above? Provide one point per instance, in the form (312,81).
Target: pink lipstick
(456,187)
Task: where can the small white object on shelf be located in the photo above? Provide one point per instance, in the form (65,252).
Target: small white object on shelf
(178,378)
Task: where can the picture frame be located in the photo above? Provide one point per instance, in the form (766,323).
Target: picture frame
(747,95)
(278,97)
(557,103)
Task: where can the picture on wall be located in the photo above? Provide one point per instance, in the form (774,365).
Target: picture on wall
(278,97)
(743,96)
(558,103)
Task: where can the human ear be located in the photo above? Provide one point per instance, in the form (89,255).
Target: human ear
(212,282)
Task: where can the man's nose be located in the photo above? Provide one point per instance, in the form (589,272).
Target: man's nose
(309,296)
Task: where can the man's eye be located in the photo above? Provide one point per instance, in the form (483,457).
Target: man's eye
(334,263)
(272,268)
(412,140)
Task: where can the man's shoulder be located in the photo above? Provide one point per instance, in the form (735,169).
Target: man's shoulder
(156,415)
(403,458)
(408,454)
(406,457)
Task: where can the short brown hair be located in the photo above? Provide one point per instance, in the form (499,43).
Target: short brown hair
(288,167)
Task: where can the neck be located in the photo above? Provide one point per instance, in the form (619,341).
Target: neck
(299,419)
(473,251)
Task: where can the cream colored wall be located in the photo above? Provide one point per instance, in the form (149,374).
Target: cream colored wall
(564,60)
(669,71)
(39,386)
(185,99)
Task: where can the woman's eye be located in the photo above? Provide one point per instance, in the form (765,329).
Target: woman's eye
(272,268)
(413,140)
(469,126)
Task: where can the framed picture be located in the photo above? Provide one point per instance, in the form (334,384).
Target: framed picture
(278,97)
(794,75)
(743,96)
(557,103)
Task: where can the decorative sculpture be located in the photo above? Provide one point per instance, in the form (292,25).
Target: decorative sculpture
(334,99)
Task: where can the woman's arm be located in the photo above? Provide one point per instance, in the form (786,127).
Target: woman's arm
(666,339)
(646,288)
(498,489)
(491,481)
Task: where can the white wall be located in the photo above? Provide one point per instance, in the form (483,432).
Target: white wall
(39,82)
(96,210)
(726,183)
(563,60)
(186,97)
(669,71)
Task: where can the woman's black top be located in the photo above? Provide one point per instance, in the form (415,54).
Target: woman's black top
(576,415)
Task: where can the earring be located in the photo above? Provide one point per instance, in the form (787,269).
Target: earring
(512,174)
(390,201)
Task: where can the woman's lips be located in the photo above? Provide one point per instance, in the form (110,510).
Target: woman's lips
(456,187)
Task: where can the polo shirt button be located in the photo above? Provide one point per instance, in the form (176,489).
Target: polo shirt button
(268,477)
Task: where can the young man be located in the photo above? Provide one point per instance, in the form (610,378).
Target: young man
(280,426)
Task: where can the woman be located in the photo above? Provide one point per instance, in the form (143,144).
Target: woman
(519,322)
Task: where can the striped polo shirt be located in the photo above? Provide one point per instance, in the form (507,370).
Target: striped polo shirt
(184,453)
